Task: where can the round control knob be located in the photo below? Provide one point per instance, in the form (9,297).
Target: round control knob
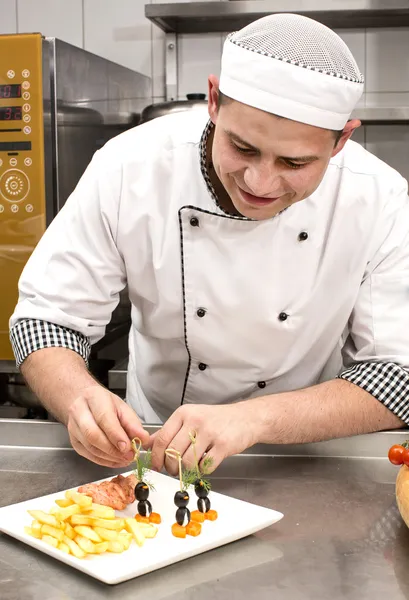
(14,185)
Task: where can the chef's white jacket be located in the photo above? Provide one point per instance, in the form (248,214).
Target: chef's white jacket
(225,308)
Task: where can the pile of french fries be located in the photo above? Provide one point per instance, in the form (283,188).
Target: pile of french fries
(80,527)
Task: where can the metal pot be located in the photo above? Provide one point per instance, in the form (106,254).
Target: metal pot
(193,102)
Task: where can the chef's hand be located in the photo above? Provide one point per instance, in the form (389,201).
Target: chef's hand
(101,425)
(221,431)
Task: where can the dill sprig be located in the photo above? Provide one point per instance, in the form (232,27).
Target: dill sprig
(143,464)
(190,476)
(207,465)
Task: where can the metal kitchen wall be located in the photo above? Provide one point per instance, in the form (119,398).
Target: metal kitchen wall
(120,31)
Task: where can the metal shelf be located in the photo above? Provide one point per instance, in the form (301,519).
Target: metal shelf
(382,115)
(226,16)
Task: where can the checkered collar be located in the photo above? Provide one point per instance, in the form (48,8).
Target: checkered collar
(203,167)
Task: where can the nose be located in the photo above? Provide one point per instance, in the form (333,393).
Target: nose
(263,179)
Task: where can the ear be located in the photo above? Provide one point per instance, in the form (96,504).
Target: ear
(213,95)
(346,134)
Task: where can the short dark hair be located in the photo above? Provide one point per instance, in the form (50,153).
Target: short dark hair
(223,99)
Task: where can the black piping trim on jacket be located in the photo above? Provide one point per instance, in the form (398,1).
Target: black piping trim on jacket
(182,263)
(182,260)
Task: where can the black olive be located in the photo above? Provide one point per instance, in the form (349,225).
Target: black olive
(141,491)
(203,504)
(144,508)
(181,499)
(200,489)
(183,516)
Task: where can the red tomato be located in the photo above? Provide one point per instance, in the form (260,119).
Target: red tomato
(405,457)
(395,454)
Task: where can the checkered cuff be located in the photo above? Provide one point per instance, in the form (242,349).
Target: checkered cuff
(387,382)
(29,335)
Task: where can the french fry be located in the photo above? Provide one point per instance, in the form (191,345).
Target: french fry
(69,531)
(80,499)
(88,533)
(101,548)
(115,546)
(44,518)
(74,548)
(64,502)
(33,532)
(36,526)
(133,527)
(58,534)
(125,540)
(64,548)
(81,520)
(100,511)
(100,514)
(85,544)
(106,534)
(116,524)
(66,513)
(149,532)
(51,541)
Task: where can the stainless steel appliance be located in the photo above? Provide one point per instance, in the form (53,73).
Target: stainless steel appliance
(58,105)
(56,108)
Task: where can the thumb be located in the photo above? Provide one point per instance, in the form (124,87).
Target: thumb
(131,423)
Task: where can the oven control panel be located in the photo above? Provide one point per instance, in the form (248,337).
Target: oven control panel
(22,181)
(21,127)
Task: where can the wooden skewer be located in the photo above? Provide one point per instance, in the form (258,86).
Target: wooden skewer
(176,454)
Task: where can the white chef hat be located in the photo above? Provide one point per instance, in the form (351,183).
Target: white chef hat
(294,67)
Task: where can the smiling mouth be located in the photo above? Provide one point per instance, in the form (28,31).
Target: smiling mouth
(256,200)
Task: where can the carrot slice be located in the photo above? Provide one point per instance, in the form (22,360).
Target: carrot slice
(211,515)
(155,518)
(141,519)
(197,516)
(178,530)
(193,528)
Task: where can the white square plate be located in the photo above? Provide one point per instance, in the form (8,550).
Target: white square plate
(237,519)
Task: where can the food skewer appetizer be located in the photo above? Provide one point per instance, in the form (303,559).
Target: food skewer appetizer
(201,485)
(143,487)
(184,525)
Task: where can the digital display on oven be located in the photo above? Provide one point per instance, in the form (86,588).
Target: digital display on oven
(10,113)
(12,90)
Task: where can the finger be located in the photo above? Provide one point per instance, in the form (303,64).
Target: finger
(131,423)
(76,433)
(215,456)
(111,434)
(82,451)
(180,443)
(202,445)
(94,436)
(163,437)
(148,445)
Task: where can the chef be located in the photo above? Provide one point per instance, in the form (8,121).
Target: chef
(266,257)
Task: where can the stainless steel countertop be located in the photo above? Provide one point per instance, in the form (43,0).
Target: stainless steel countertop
(341,537)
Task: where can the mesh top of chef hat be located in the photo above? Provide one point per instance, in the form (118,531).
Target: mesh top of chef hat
(300,41)
(294,67)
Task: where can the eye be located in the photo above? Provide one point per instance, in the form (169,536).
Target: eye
(294,165)
(241,149)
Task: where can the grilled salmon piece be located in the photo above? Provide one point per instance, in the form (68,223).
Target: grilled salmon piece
(117,493)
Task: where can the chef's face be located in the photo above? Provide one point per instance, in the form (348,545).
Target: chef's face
(266,163)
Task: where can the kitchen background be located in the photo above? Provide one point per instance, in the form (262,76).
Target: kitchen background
(119,31)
